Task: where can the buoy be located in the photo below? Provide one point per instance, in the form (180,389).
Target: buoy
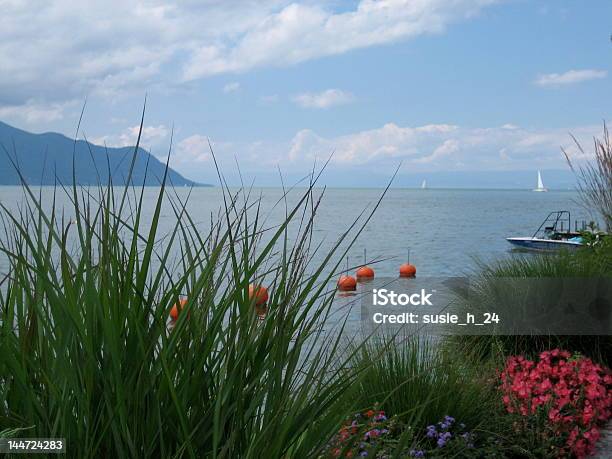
(365,272)
(258,294)
(176,309)
(347,283)
(407,270)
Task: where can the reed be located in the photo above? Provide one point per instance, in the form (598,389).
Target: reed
(86,353)
(595,177)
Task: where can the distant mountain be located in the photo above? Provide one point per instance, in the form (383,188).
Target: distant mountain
(43,158)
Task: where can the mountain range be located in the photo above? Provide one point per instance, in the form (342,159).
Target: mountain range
(46,159)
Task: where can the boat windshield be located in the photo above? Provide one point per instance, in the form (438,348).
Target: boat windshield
(557,223)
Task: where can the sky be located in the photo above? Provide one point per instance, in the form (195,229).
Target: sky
(437,87)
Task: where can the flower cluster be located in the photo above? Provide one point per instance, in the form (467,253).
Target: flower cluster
(571,394)
(362,435)
(445,433)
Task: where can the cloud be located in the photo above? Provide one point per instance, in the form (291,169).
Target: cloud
(430,147)
(443,146)
(33,111)
(325,99)
(152,138)
(300,32)
(65,50)
(447,148)
(231,87)
(193,149)
(389,141)
(570,77)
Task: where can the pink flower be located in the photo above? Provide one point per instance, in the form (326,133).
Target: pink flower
(576,395)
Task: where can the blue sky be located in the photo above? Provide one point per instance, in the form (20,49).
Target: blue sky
(442,86)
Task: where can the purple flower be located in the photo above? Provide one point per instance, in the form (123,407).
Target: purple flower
(443,438)
(431,432)
(380,417)
(363,453)
(449,419)
(417,453)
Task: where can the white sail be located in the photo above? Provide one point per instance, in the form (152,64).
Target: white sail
(540,183)
(424,184)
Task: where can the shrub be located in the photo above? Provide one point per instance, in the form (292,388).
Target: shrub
(564,398)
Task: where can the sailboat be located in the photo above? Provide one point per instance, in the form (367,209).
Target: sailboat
(540,184)
(424,185)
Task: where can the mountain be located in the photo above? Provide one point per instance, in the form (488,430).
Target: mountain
(43,158)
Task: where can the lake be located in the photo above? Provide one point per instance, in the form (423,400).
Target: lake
(444,229)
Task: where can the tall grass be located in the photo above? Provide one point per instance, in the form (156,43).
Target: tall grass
(418,380)
(86,354)
(485,294)
(595,177)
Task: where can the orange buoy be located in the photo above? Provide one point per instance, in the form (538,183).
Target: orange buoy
(258,294)
(407,270)
(365,273)
(176,309)
(347,283)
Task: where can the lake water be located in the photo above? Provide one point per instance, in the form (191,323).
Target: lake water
(444,229)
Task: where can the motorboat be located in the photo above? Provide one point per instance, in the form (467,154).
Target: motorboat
(554,233)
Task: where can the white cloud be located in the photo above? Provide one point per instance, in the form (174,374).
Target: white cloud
(66,50)
(193,149)
(299,32)
(33,111)
(447,148)
(151,137)
(570,77)
(432,147)
(231,87)
(443,146)
(325,99)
